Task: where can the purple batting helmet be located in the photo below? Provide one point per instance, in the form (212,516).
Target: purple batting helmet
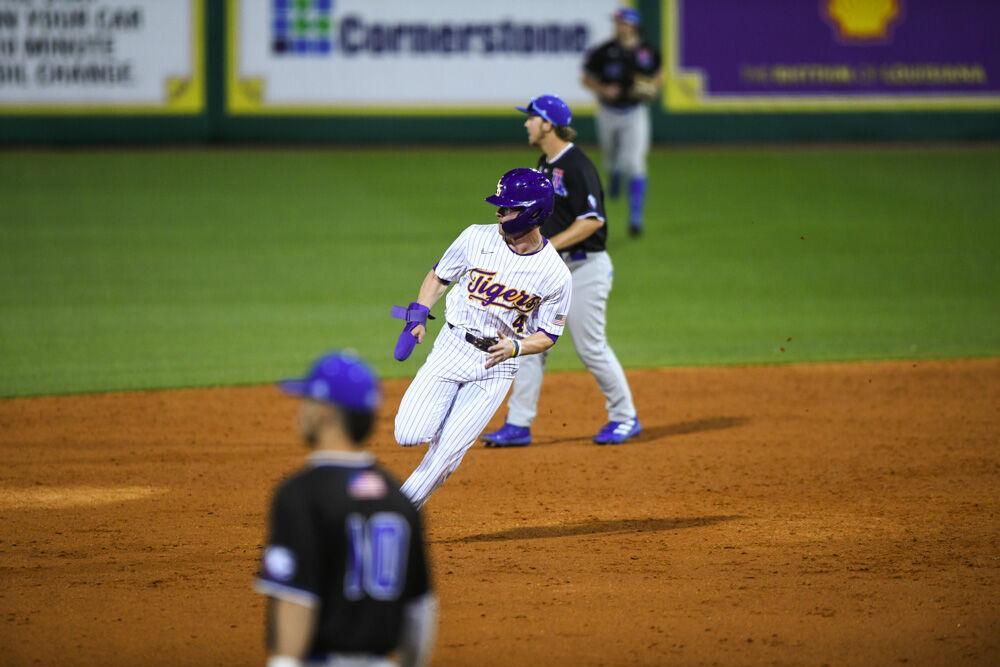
(550,108)
(338,378)
(526,189)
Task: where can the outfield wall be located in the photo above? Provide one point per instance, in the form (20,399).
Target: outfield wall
(350,71)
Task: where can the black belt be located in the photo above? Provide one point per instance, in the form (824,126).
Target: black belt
(322,658)
(622,108)
(483,344)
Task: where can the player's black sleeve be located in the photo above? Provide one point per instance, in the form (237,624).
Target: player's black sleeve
(290,562)
(418,579)
(585,195)
(594,63)
(657,61)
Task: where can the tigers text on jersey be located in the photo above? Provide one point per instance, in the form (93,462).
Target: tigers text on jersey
(344,539)
(578,193)
(499,291)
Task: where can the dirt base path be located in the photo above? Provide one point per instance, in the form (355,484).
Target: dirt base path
(820,514)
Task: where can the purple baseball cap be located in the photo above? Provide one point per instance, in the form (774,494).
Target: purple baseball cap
(550,108)
(627,15)
(339,378)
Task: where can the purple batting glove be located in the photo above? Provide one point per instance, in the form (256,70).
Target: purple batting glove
(407,341)
(414,314)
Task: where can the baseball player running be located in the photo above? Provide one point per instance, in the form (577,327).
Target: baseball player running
(344,568)
(509,298)
(577,230)
(624,73)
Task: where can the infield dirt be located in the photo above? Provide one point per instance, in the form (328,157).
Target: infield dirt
(814,514)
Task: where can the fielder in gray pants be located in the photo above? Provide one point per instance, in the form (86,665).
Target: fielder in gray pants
(577,230)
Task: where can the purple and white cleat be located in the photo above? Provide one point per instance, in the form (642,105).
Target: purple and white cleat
(615,433)
(508,435)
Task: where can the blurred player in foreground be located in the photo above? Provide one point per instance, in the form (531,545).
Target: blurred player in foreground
(624,73)
(344,566)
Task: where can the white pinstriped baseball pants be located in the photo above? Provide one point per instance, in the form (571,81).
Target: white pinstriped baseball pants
(448,404)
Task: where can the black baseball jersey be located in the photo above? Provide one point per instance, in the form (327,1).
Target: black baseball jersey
(344,538)
(578,195)
(611,62)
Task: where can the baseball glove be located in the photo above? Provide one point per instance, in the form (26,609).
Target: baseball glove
(643,88)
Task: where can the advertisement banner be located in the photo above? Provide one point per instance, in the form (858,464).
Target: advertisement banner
(407,57)
(733,55)
(101,56)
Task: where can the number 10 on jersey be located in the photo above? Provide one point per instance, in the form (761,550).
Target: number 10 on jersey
(376,556)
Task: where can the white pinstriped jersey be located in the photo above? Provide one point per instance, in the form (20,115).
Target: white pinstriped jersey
(499,291)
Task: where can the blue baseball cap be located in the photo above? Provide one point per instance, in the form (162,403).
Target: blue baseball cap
(627,15)
(338,378)
(550,108)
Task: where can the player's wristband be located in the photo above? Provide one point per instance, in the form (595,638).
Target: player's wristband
(517,348)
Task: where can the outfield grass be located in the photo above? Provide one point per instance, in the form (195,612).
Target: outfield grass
(136,269)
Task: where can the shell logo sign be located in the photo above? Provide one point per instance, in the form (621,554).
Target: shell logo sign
(863,20)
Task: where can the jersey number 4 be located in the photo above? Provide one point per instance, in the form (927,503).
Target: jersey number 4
(518,323)
(377,553)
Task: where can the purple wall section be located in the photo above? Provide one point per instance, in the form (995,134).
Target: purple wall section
(812,47)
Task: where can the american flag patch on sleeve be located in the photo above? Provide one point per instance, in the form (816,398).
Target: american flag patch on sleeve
(366,485)
(559,320)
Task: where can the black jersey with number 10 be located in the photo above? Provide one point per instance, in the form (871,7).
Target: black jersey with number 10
(344,538)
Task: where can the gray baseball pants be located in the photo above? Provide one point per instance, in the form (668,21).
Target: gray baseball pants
(624,135)
(592,279)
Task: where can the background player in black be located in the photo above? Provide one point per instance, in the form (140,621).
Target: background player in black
(344,565)
(577,230)
(624,73)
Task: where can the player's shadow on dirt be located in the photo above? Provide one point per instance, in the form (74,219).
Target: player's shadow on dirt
(650,433)
(693,426)
(592,528)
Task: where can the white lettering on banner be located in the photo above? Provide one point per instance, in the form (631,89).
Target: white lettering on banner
(324,55)
(114,55)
